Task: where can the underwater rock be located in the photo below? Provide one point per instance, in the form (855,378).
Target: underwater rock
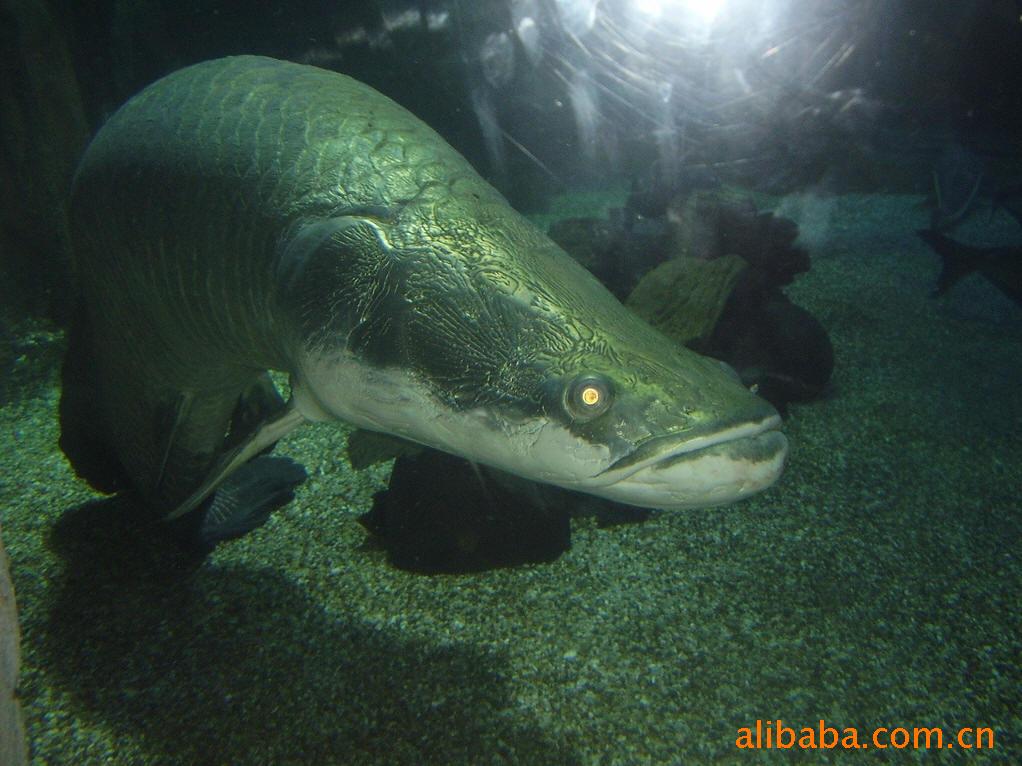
(720,294)
(683,297)
(652,193)
(12,729)
(711,223)
(709,275)
(775,346)
(442,514)
(590,241)
(616,251)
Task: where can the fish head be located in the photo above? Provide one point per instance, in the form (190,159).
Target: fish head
(508,353)
(676,430)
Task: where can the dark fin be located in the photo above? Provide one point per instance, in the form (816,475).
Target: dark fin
(259,442)
(959,260)
(257,405)
(1010,199)
(82,425)
(245,500)
(167,420)
(366,448)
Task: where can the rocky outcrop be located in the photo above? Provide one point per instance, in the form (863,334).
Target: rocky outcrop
(707,268)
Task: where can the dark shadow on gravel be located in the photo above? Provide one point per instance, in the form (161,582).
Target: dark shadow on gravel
(202,664)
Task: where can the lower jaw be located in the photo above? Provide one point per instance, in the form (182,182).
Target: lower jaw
(719,474)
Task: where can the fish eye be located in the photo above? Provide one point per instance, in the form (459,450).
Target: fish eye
(588,396)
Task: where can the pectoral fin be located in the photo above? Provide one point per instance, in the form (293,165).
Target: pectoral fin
(268,433)
(245,500)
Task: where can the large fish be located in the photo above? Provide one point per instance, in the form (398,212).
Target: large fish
(248,214)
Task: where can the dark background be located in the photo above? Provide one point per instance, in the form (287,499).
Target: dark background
(829,95)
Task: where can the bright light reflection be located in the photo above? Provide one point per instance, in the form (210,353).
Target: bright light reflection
(705,10)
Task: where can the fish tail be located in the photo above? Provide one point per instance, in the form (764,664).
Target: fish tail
(958,260)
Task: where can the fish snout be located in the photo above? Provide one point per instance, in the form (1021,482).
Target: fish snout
(714,463)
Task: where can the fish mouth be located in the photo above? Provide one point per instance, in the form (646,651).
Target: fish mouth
(666,448)
(682,471)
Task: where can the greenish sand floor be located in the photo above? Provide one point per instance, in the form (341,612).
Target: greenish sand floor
(879,584)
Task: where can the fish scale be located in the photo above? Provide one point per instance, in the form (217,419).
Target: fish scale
(248,214)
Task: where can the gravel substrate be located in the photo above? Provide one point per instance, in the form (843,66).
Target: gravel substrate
(879,584)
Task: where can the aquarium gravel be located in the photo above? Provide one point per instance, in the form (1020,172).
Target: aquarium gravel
(878,584)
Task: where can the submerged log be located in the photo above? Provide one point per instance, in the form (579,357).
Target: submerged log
(683,297)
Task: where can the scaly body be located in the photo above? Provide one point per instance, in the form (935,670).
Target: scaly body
(248,214)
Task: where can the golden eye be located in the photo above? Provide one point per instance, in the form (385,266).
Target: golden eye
(588,396)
